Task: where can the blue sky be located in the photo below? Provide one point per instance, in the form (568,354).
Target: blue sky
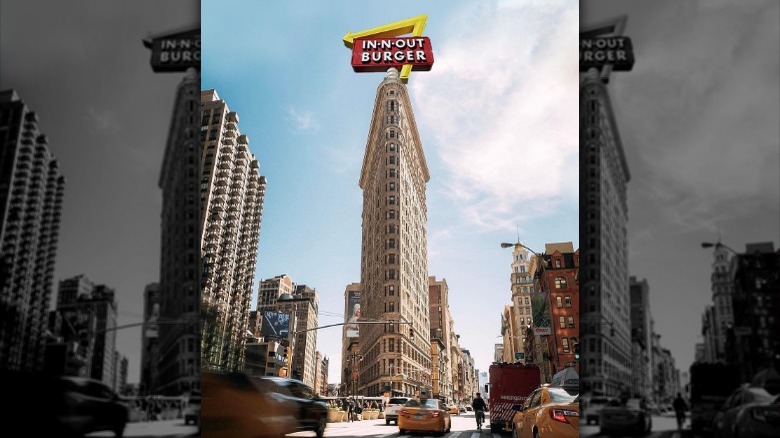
(497,117)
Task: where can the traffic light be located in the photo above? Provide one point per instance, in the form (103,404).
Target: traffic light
(285,353)
(577,350)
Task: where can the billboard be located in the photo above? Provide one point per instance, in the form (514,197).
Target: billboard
(353,314)
(616,51)
(276,325)
(379,54)
(175,52)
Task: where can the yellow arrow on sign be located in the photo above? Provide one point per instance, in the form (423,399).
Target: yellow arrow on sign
(414,25)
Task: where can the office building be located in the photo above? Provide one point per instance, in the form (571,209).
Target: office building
(31,193)
(231,195)
(394,259)
(605,302)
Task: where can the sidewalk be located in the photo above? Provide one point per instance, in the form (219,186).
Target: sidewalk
(162,428)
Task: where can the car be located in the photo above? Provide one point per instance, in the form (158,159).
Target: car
(627,415)
(462,409)
(46,405)
(394,405)
(593,408)
(750,411)
(454,410)
(311,412)
(548,412)
(469,409)
(233,405)
(424,415)
(192,411)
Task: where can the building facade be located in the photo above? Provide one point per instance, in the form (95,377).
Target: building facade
(89,314)
(641,347)
(440,330)
(753,342)
(394,259)
(232,194)
(604,175)
(31,193)
(179,282)
(722,289)
(521,315)
(561,283)
(150,353)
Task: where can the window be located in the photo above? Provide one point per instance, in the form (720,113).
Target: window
(391,229)
(392,147)
(391,173)
(391,160)
(391,186)
(560,282)
(391,346)
(558,301)
(565,345)
(391,290)
(571,322)
(567,300)
(392,133)
(391,275)
(392,306)
(391,200)
(392,105)
(562,321)
(391,243)
(391,214)
(557,263)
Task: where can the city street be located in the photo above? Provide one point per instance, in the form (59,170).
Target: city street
(663,427)
(163,428)
(463,426)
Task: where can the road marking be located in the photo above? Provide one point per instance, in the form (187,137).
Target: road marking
(455,435)
(387,434)
(495,435)
(476,434)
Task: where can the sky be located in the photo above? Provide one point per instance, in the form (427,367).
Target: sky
(82,67)
(497,121)
(698,117)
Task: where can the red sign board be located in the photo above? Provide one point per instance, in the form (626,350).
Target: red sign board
(379,54)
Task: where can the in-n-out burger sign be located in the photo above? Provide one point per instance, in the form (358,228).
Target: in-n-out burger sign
(175,52)
(382,47)
(616,51)
(379,54)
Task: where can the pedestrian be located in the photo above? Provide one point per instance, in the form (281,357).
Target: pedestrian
(679,409)
(349,415)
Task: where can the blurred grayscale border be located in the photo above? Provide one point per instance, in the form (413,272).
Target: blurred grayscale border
(99,209)
(680,218)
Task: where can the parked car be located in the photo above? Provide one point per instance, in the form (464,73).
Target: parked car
(311,413)
(469,409)
(750,411)
(549,412)
(593,408)
(628,415)
(233,405)
(394,405)
(426,415)
(192,410)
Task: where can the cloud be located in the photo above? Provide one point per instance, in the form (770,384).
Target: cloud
(708,145)
(101,120)
(499,109)
(303,121)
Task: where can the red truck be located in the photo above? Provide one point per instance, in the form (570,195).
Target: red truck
(510,384)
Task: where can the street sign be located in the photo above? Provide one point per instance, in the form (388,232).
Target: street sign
(519,355)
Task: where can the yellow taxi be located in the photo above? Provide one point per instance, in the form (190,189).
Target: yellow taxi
(424,415)
(548,412)
(454,410)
